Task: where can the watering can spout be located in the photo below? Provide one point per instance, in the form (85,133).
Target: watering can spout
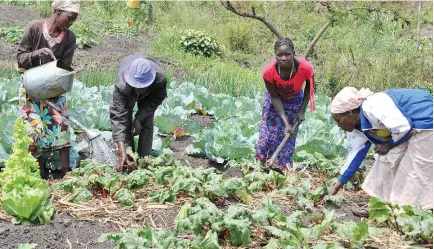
(92,134)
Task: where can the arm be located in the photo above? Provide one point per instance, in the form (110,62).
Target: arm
(24,53)
(155,98)
(70,49)
(277,102)
(119,116)
(306,98)
(358,148)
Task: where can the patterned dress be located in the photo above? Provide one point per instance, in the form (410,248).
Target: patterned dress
(48,129)
(272,128)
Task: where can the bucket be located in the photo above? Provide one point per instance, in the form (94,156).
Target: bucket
(49,80)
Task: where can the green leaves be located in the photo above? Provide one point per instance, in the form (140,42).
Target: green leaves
(380,211)
(199,43)
(24,195)
(354,233)
(125,197)
(27,246)
(163,195)
(80,195)
(210,241)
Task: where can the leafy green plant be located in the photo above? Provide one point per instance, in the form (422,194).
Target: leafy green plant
(25,195)
(199,43)
(145,238)
(12,34)
(27,246)
(85,37)
(414,222)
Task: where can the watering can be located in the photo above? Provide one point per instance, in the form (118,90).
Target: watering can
(49,80)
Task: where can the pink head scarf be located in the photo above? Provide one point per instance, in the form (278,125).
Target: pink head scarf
(349,99)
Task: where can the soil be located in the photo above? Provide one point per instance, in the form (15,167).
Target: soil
(64,232)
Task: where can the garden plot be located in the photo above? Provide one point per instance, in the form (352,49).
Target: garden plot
(204,190)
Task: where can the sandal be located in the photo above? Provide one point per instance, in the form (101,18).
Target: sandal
(362,211)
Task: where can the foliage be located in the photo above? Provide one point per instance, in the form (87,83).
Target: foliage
(412,221)
(27,246)
(25,196)
(12,34)
(199,43)
(85,37)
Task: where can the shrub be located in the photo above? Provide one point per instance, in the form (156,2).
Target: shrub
(199,43)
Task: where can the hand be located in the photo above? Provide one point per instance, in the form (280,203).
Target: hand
(335,189)
(122,159)
(288,129)
(300,117)
(137,127)
(383,148)
(44,54)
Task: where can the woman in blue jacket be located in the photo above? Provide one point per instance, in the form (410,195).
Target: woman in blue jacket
(399,123)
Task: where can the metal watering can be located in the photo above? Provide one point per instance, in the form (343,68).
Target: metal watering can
(49,80)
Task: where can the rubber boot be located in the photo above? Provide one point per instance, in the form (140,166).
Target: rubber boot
(43,171)
(146,137)
(64,161)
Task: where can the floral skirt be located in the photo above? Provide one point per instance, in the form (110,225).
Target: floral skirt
(47,128)
(272,130)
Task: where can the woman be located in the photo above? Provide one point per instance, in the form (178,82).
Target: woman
(44,41)
(399,122)
(284,101)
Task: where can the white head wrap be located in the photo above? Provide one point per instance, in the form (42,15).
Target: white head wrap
(66,5)
(349,99)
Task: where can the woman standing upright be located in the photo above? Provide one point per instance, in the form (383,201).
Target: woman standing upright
(284,101)
(44,41)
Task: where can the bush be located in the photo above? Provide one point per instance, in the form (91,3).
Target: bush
(199,43)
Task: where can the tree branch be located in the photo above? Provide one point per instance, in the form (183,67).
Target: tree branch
(315,40)
(228,5)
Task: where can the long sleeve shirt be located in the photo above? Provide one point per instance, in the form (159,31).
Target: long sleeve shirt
(33,39)
(125,98)
(391,117)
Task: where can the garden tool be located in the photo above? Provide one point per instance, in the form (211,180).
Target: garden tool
(270,163)
(100,150)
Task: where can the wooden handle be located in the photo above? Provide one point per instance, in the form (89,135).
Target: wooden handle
(285,139)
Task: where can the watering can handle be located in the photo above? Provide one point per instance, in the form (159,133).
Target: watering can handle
(69,73)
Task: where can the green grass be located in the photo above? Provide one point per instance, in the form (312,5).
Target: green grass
(214,73)
(97,77)
(368,50)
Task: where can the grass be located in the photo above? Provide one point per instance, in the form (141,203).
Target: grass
(369,50)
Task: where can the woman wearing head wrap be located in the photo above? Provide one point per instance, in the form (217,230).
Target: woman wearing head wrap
(285,101)
(44,41)
(399,123)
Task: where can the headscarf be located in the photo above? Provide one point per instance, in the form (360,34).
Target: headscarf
(66,5)
(349,99)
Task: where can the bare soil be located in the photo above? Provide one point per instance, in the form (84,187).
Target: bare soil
(65,232)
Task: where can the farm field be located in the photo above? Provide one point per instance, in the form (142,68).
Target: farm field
(202,187)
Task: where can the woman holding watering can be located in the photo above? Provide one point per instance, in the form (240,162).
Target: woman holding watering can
(44,41)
